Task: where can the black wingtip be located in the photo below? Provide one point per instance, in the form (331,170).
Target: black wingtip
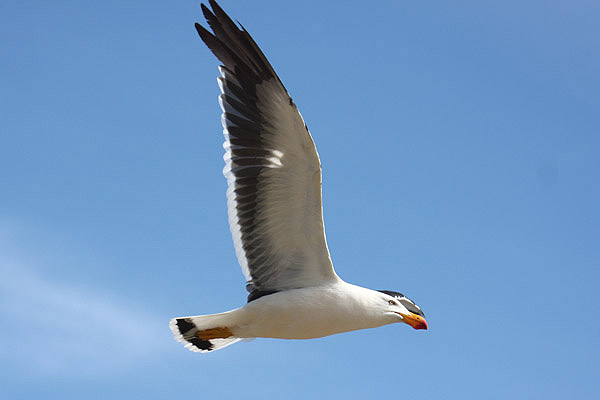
(215,6)
(201,30)
(207,13)
(207,37)
(234,47)
(220,13)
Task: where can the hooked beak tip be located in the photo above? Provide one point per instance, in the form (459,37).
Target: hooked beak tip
(416,321)
(423,325)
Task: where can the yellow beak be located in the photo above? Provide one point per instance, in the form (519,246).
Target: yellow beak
(414,320)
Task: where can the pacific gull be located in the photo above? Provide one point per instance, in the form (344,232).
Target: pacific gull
(275,214)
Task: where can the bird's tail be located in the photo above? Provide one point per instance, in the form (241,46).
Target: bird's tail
(203,333)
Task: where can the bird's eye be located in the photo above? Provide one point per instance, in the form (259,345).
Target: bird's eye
(391,302)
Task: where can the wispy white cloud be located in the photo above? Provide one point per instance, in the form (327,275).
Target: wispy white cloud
(53,326)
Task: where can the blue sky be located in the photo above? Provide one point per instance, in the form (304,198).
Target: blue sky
(460,144)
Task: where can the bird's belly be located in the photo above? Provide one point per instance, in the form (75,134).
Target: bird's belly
(300,314)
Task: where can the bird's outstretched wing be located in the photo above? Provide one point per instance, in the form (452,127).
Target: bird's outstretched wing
(272,167)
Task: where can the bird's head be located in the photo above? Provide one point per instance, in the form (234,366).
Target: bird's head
(404,309)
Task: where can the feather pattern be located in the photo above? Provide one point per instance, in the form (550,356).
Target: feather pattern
(271,165)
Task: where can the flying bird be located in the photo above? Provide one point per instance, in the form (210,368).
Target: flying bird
(275,214)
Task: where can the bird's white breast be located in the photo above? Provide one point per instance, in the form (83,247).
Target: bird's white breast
(309,312)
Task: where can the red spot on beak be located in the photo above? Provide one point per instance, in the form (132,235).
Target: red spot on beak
(416,321)
(422,325)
